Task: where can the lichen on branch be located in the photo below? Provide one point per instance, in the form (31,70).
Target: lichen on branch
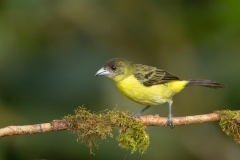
(230,123)
(92,127)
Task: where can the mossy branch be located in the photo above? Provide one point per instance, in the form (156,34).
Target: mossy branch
(93,127)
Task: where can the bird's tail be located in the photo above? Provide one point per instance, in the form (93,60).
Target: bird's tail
(204,83)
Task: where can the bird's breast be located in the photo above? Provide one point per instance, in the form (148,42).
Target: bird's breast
(149,95)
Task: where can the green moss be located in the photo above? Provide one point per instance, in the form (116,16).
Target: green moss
(230,123)
(93,127)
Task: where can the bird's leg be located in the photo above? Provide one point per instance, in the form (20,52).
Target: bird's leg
(169,121)
(140,112)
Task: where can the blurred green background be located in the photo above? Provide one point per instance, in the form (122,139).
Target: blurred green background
(50,51)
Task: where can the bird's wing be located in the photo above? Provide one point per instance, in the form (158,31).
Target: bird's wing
(149,76)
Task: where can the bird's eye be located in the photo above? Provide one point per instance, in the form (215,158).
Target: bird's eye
(113,67)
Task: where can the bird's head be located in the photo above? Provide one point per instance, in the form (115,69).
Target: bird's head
(116,69)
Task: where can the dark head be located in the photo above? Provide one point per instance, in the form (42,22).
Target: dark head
(116,69)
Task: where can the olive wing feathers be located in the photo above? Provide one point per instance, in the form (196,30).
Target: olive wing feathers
(149,76)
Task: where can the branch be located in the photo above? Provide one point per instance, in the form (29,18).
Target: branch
(33,129)
(92,127)
(150,120)
(147,120)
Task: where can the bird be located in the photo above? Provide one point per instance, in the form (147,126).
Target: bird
(148,85)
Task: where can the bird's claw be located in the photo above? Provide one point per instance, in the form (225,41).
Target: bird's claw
(169,121)
(136,116)
(170,124)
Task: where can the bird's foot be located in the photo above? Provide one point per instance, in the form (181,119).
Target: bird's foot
(169,121)
(136,116)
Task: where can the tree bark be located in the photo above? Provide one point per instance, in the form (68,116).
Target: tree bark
(147,120)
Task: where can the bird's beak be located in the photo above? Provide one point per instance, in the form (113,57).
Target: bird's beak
(101,72)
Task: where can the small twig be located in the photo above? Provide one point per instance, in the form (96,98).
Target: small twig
(147,120)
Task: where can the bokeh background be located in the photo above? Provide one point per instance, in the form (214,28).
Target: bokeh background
(50,51)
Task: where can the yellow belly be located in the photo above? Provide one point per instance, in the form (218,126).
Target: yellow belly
(151,95)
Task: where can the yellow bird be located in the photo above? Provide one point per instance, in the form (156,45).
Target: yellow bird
(148,85)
